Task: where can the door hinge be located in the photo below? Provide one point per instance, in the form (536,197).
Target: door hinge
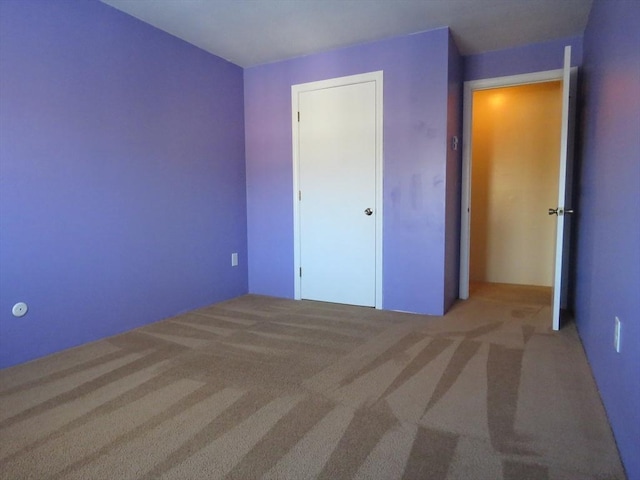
(300,271)
(298,116)
(299,195)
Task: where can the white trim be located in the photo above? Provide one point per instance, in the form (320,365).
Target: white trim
(377,78)
(465,208)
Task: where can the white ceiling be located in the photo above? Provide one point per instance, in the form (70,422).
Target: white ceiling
(253,32)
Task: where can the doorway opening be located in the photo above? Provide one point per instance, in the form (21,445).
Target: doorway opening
(516,139)
(512,136)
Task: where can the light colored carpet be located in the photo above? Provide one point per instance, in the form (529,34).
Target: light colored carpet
(259,387)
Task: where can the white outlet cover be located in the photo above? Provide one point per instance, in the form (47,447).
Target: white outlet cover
(19,309)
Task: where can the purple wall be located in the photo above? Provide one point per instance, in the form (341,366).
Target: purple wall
(537,57)
(454,177)
(608,266)
(415,167)
(122,187)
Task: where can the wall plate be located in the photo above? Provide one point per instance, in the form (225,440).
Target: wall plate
(19,309)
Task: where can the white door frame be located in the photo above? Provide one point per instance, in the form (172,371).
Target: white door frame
(469,88)
(296,90)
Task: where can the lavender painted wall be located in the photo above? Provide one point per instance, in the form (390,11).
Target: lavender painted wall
(608,256)
(454,177)
(415,167)
(537,57)
(122,186)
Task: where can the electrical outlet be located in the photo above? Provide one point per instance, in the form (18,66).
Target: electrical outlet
(234,259)
(616,335)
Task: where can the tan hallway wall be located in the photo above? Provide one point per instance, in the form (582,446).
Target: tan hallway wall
(515,158)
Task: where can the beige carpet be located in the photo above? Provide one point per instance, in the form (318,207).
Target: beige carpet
(258,387)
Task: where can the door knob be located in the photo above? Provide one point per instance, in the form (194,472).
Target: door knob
(559,211)
(368,212)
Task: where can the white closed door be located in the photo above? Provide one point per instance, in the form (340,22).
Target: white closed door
(337,193)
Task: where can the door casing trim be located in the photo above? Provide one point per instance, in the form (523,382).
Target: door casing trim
(296,90)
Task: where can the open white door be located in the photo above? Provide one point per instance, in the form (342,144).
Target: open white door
(564,189)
